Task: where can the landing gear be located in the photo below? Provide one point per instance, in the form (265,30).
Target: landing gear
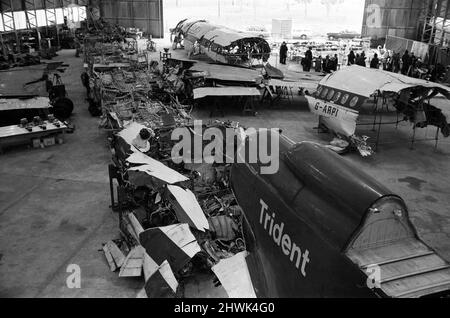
(62,106)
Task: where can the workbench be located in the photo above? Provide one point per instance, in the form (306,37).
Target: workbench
(16,135)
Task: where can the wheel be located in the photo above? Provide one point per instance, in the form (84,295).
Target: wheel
(63,108)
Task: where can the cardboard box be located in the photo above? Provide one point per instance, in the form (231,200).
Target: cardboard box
(36,143)
(48,141)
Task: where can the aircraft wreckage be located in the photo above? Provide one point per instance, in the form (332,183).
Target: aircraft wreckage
(318,227)
(221,44)
(343,95)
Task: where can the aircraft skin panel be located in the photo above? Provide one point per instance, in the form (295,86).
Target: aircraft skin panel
(317,226)
(337,101)
(308,274)
(334,178)
(366,81)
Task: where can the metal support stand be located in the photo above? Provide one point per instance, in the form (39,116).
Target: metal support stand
(113,175)
(249,107)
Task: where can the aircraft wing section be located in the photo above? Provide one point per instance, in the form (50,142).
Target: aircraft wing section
(227,73)
(225,91)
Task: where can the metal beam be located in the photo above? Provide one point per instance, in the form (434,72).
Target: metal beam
(9,25)
(444,22)
(29,6)
(50,16)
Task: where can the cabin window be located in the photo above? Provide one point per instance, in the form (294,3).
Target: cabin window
(337,96)
(330,94)
(354,101)
(345,99)
(324,93)
(319,90)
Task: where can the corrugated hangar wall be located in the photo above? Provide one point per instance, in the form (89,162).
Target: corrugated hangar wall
(399,18)
(20,5)
(146,15)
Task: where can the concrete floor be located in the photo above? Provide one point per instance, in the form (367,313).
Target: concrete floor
(54,202)
(54,211)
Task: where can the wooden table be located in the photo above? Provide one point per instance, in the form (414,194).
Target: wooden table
(16,135)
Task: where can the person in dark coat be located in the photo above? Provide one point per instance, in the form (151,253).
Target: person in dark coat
(414,60)
(86,83)
(335,62)
(308,60)
(406,59)
(351,58)
(396,63)
(361,61)
(283,53)
(318,65)
(375,63)
(326,64)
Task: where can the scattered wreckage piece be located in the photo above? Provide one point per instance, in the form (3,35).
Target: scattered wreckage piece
(133,263)
(156,170)
(224,227)
(109,258)
(234,276)
(133,226)
(160,281)
(113,255)
(187,208)
(163,283)
(174,243)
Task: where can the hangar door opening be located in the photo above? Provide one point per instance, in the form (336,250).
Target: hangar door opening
(146,15)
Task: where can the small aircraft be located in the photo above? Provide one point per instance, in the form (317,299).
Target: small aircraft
(341,96)
(322,228)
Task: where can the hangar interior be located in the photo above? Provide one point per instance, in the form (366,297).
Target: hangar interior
(94,202)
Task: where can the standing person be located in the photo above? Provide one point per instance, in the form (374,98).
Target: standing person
(406,63)
(77,47)
(385,60)
(283,53)
(414,63)
(351,58)
(86,83)
(389,62)
(362,59)
(319,64)
(375,63)
(335,62)
(308,60)
(326,64)
(396,63)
